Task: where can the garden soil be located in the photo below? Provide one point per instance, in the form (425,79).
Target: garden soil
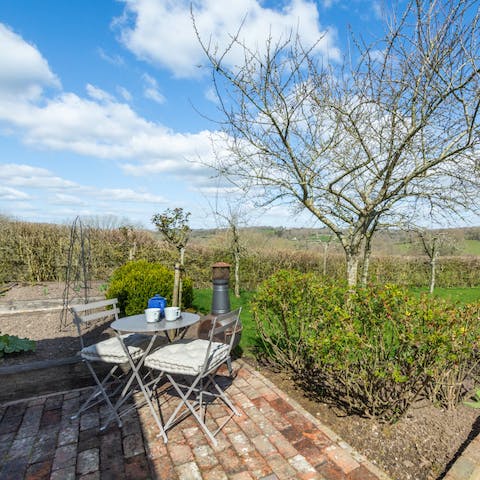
(420,446)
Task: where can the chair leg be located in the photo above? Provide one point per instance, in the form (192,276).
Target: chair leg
(96,392)
(223,396)
(229,366)
(104,394)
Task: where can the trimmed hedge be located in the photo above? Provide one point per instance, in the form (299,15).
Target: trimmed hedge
(135,282)
(370,351)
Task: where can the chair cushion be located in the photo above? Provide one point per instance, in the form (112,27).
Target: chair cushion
(187,357)
(111,351)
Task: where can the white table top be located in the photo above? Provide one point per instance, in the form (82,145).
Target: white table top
(138,323)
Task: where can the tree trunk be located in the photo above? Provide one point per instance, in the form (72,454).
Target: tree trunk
(352,268)
(433,269)
(237,275)
(366,262)
(180,283)
(325,248)
(176,285)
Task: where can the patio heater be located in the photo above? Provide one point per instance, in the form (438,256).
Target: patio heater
(220,280)
(220,303)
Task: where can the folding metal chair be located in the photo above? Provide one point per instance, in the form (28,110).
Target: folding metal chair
(108,351)
(196,361)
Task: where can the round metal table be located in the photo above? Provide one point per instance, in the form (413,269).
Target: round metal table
(138,324)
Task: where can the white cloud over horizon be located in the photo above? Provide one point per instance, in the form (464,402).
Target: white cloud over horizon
(24,73)
(97,125)
(162,33)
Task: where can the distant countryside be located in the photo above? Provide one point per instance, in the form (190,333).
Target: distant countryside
(35,252)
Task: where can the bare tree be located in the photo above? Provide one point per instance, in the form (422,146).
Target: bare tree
(173,225)
(357,144)
(233,215)
(433,242)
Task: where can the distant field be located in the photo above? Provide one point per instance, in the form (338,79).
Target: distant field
(203,302)
(461,295)
(471,247)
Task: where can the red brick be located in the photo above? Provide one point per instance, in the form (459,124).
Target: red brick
(136,468)
(318,438)
(264,446)
(39,471)
(216,473)
(291,434)
(205,457)
(256,464)
(230,461)
(51,417)
(163,468)
(361,473)
(310,451)
(180,453)
(280,466)
(284,447)
(280,405)
(241,476)
(248,426)
(342,458)
(331,471)
(299,421)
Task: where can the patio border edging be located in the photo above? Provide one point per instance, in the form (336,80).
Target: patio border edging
(328,432)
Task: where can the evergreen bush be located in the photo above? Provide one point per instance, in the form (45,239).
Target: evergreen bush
(137,281)
(370,351)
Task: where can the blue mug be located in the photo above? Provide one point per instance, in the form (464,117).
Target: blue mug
(158,302)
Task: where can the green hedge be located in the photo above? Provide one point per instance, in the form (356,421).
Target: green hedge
(135,282)
(370,351)
(36,252)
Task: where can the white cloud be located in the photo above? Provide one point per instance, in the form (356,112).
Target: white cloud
(211,95)
(124,93)
(27,176)
(113,59)
(128,195)
(24,72)
(162,32)
(99,94)
(7,193)
(65,199)
(150,89)
(377,10)
(98,126)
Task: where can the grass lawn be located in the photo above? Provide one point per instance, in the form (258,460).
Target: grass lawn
(458,294)
(202,301)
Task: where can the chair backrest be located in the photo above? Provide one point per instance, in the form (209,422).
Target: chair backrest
(225,323)
(87,312)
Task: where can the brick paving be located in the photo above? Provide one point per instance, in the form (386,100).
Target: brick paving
(273,439)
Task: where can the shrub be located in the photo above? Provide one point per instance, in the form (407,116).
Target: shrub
(13,344)
(369,351)
(135,282)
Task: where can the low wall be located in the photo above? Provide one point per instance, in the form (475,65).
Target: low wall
(47,376)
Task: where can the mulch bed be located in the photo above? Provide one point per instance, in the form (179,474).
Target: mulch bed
(418,447)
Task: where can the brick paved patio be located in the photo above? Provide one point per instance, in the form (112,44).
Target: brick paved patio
(273,439)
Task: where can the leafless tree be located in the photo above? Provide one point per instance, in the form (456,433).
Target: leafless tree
(232,215)
(394,128)
(173,225)
(433,242)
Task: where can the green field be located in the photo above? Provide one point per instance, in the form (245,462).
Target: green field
(461,295)
(202,302)
(471,247)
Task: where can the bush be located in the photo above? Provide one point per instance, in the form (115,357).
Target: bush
(370,351)
(13,344)
(135,282)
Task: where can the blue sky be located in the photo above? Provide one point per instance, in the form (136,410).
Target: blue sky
(99,100)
